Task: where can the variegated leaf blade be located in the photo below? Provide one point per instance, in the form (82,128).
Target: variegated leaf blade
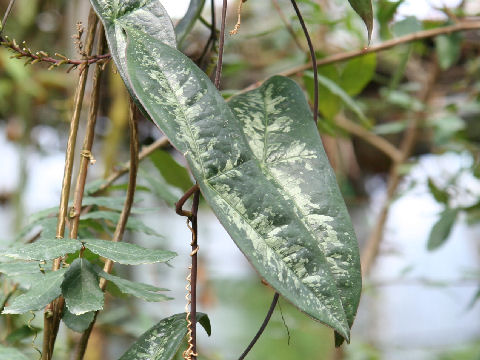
(262,220)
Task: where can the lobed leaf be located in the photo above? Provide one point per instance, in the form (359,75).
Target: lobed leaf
(295,232)
(80,288)
(143,291)
(40,294)
(43,249)
(162,341)
(125,253)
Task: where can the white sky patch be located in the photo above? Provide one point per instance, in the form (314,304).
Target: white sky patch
(425,8)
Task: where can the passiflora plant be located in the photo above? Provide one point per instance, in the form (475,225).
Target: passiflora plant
(259,163)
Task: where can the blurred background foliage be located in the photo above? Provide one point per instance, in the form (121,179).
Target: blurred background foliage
(377,96)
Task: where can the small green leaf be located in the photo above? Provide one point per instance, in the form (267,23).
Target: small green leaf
(132,223)
(19,268)
(365,10)
(140,290)
(440,195)
(357,73)
(125,253)
(78,323)
(8,353)
(162,341)
(41,293)
(21,333)
(448,49)
(441,229)
(185,25)
(160,188)
(171,171)
(44,249)
(335,89)
(407,26)
(80,288)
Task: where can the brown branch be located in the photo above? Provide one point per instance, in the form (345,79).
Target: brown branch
(372,246)
(146,151)
(287,24)
(421,35)
(86,153)
(54,309)
(221,44)
(122,221)
(41,56)
(5,16)
(179,205)
(374,140)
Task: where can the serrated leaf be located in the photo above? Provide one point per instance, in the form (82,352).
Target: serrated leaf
(171,171)
(442,228)
(19,268)
(125,253)
(132,223)
(78,323)
(140,290)
(41,293)
(9,353)
(364,9)
(143,16)
(162,341)
(44,249)
(288,247)
(80,288)
(185,25)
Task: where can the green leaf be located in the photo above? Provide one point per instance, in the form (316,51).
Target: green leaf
(125,253)
(132,223)
(162,341)
(448,49)
(140,290)
(143,17)
(19,268)
(44,249)
(440,195)
(185,25)
(78,323)
(409,25)
(80,288)
(386,10)
(41,293)
(329,104)
(171,171)
(364,9)
(358,73)
(160,188)
(21,333)
(441,229)
(8,353)
(335,89)
(285,225)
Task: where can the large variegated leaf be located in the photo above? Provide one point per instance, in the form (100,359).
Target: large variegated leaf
(142,16)
(162,341)
(276,229)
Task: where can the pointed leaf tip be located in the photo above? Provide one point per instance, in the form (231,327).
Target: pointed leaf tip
(364,9)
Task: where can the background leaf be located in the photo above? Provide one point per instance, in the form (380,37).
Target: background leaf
(125,253)
(357,73)
(441,229)
(171,171)
(42,293)
(140,290)
(80,288)
(11,353)
(185,25)
(162,341)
